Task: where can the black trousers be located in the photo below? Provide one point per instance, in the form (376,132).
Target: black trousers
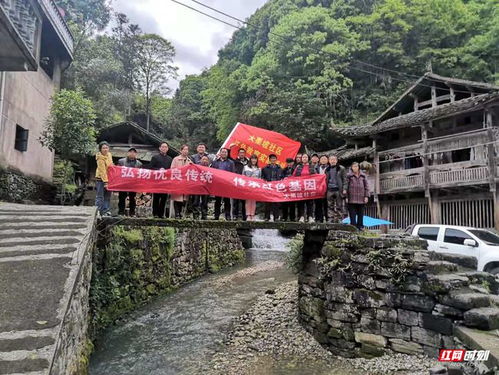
(356,213)
(321,209)
(122,202)
(306,208)
(288,211)
(218,207)
(239,205)
(200,206)
(271,208)
(159,204)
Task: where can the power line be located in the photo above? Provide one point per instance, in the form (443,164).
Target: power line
(206,14)
(381,75)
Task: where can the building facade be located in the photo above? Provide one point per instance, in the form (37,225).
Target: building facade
(35,48)
(434,154)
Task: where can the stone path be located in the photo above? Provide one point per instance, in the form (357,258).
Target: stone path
(41,249)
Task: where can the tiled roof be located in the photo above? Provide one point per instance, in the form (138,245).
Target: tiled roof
(418,117)
(345,153)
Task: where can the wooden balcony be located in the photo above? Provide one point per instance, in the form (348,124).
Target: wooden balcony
(440,176)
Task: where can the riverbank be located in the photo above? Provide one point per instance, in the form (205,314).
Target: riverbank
(268,339)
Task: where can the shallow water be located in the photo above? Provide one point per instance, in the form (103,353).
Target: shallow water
(179,332)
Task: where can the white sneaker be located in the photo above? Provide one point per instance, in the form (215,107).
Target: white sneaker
(302,219)
(311,219)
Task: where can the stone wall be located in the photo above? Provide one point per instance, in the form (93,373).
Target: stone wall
(74,345)
(363,296)
(19,188)
(133,265)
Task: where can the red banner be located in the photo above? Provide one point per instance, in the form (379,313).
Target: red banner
(262,143)
(198,180)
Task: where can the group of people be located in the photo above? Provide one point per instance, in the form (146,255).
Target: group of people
(347,191)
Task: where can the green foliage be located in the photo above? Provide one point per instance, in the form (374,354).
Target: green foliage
(391,261)
(295,68)
(134,266)
(69,128)
(295,255)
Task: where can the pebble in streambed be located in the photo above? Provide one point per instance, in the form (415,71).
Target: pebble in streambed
(268,339)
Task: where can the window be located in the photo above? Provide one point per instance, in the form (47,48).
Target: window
(428,233)
(455,236)
(21,139)
(487,237)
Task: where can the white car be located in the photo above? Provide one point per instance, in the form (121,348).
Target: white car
(479,243)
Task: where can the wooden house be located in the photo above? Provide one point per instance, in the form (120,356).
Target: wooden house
(434,154)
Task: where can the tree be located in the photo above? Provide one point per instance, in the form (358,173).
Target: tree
(69,129)
(155,67)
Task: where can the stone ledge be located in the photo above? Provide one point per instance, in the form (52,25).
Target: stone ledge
(143,222)
(480,340)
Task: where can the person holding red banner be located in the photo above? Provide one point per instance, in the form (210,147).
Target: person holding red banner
(305,207)
(225,164)
(252,170)
(179,162)
(158,162)
(272,172)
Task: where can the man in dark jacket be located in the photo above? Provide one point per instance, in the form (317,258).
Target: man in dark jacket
(239,205)
(160,161)
(225,164)
(201,151)
(336,183)
(131,162)
(288,208)
(272,172)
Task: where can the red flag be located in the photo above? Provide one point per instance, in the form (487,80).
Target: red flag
(262,143)
(199,180)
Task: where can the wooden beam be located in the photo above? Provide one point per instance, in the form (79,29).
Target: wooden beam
(433,96)
(452,94)
(491,165)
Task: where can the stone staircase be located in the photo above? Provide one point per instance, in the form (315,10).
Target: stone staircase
(42,253)
(470,298)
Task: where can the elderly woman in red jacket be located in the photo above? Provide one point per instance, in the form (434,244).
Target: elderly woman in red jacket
(357,194)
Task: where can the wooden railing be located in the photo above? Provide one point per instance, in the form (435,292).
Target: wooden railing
(459,175)
(402,182)
(390,182)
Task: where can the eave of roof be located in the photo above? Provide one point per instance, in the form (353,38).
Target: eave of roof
(419,117)
(436,78)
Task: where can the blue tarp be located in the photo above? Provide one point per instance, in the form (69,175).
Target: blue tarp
(370,221)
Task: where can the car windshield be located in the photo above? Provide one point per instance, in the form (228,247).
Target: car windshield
(487,237)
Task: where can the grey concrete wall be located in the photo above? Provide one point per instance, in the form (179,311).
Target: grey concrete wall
(26,102)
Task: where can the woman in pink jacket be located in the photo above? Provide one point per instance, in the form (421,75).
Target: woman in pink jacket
(179,162)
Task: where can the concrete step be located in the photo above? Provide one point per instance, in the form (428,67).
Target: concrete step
(43,218)
(25,343)
(480,340)
(25,365)
(68,212)
(7,225)
(16,241)
(6,252)
(50,232)
(442,266)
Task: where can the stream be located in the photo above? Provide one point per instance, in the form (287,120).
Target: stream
(179,332)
